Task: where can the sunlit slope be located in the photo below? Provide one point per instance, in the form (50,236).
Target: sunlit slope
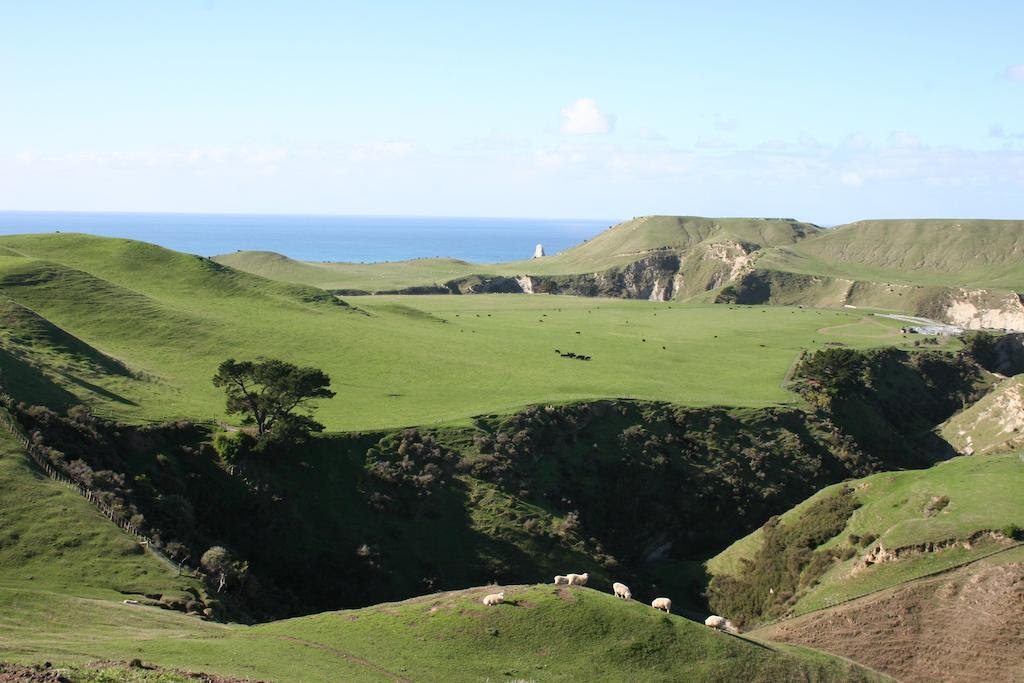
(934,252)
(617,246)
(991,425)
(399,361)
(370,277)
(542,634)
(53,539)
(634,239)
(906,512)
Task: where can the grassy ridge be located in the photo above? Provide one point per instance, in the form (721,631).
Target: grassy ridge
(543,635)
(983,493)
(618,246)
(398,360)
(943,253)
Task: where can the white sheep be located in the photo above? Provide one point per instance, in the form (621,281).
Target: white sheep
(561,580)
(662,603)
(578,579)
(715,621)
(621,590)
(494,599)
(131,602)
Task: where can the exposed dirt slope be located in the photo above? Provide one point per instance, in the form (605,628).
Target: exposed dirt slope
(966,625)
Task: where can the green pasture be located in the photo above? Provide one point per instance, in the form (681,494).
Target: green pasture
(541,634)
(170,318)
(936,253)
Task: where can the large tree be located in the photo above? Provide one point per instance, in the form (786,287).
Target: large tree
(270,393)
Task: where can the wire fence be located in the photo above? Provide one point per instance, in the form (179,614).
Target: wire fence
(38,455)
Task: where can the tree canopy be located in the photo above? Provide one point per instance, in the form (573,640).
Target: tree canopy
(270,393)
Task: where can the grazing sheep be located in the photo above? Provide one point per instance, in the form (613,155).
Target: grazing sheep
(662,603)
(578,579)
(715,621)
(561,580)
(621,590)
(494,599)
(131,602)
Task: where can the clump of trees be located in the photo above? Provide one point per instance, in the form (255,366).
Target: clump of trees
(787,563)
(274,397)
(407,470)
(223,570)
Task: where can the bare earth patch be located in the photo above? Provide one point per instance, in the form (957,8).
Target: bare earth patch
(965,625)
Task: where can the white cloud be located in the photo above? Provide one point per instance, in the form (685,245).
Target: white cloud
(582,117)
(381,151)
(724,124)
(851,179)
(1015,73)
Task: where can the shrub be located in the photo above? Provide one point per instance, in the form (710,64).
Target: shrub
(868,539)
(1014,532)
(786,562)
(233,446)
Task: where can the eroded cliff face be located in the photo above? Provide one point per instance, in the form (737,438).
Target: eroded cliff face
(655,277)
(978,309)
(729,260)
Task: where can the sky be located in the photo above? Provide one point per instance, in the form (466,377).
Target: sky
(827,112)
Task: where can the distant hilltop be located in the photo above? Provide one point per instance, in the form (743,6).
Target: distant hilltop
(963,272)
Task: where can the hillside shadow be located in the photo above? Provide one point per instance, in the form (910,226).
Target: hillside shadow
(28,384)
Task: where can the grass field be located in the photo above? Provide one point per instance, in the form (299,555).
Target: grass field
(53,539)
(941,253)
(983,492)
(541,635)
(170,318)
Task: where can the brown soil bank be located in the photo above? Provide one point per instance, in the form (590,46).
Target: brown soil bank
(966,625)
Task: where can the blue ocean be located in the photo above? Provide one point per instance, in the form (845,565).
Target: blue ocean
(322,238)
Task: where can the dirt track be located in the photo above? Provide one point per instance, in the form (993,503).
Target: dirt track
(966,625)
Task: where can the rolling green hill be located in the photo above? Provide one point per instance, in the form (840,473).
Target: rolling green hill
(169,319)
(615,248)
(928,520)
(541,634)
(943,253)
(65,570)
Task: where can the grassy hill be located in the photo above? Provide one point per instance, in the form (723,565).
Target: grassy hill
(616,247)
(53,540)
(168,319)
(915,514)
(65,570)
(370,277)
(542,634)
(944,253)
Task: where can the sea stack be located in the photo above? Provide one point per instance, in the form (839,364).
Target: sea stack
(538,251)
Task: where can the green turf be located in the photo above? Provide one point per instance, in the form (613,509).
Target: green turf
(53,539)
(983,492)
(540,635)
(170,318)
(947,253)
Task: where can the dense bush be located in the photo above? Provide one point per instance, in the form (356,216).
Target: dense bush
(406,470)
(786,563)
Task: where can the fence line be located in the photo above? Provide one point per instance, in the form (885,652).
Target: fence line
(39,457)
